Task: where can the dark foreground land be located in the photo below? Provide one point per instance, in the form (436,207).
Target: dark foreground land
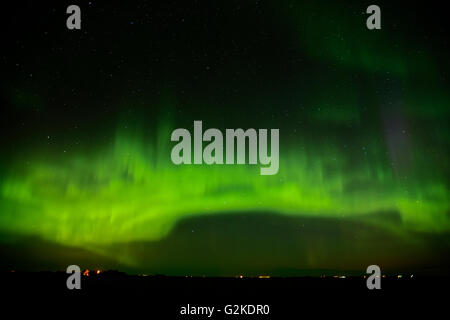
(160,297)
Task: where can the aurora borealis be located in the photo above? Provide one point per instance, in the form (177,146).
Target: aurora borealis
(364,137)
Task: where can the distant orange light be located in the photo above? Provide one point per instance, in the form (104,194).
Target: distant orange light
(86,273)
(264,277)
(98,271)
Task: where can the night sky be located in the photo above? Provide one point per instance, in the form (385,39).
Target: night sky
(86,176)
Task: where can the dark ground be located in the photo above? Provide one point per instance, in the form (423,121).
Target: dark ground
(160,297)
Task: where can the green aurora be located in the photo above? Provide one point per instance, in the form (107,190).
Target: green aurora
(131,191)
(344,154)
